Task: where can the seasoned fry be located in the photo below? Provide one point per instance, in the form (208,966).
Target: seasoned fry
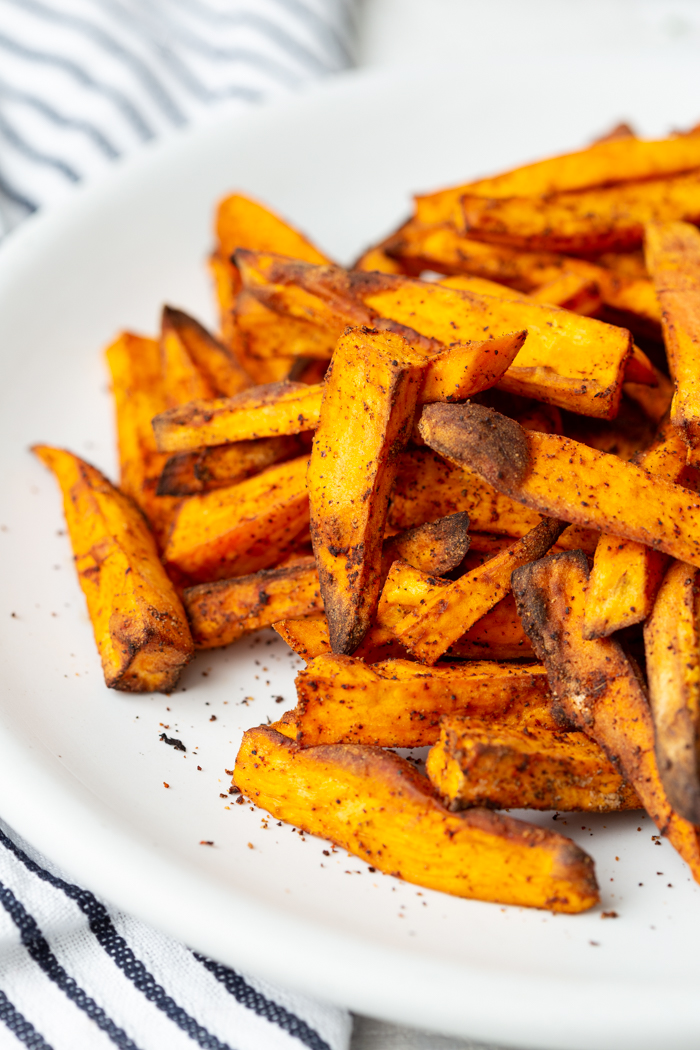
(505,766)
(226,280)
(366,418)
(428,630)
(557,476)
(216,371)
(673,258)
(242,222)
(571,361)
(242,528)
(189,473)
(603,164)
(596,686)
(397,703)
(139,624)
(137,386)
(591,221)
(261,412)
(378,806)
(223,611)
(672,646)
(308,637)
(436,547)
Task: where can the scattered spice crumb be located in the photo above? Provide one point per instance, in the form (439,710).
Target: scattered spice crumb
(251,846)
(595,944)
(173,741)
(222,795)
(199,768)
(609,915)
(206,842)
(228,772)
(233,790)
(240,801)
(213,718)
(166,785)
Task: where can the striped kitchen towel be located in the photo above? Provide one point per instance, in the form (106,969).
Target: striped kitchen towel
(85,82)
(77,975)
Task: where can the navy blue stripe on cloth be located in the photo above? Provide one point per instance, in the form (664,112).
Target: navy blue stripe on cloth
(37,946)
(121,954)
(52,115)
(16,197)
(20,1027)
(261,1005)
(81,76)
(11,135)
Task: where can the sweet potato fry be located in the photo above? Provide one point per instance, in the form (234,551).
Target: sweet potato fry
(672,646)
(195,364)
(223,611)
(673,258)
(626,575)
(261,412)
(603,164)
(226,280)
(505,766)
(378,806)
(596,686)
(242,222)
(267,338)
(189,473)
(242,528)
(397,703)
(366,417)
(436,547)
(139,624)
(557,476)
(137,386)
(307,636)
(587,222)
(574,362)
(428,630)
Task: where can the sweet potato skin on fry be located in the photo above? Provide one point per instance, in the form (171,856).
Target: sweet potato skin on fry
(508,766)
(436,547)
(366,418)
(189,473)
(596,686)
(139,624)
(377,806)
(240,529)
(575,483)
(396,703)
(672,647)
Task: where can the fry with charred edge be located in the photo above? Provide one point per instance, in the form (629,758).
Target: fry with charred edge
(379,807)
(203,367)
(242,528)
(430,629)
(396,703)
(504,766)
(626,575)
(139,624)
(596,686)
(591,222)
(672,647)
(189,473)
(571,361)
(223,611)
(602,164)
(673,258)
(261,412)
(366,418)
(137,387)
(567,479)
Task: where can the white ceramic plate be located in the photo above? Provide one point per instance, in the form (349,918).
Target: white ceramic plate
(82,769)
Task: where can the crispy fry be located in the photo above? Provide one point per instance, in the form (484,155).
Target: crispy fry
(428,630)
(189,473)
(135,366)
(242,222)
(673,258)
(267,337)
(571,361)
(672,646)
(366,417)
(436,547)
(505,766)
(379,807)
(603,164)
(595,685)
(216,371)
(139,624)
(242,528)
(397,703)
(308,636)
(221,612)
(226,280)
(587,222)
(261,412)
(376,259)
(557,476)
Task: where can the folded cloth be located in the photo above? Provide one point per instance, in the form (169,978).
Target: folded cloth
(75,974)
(85,82)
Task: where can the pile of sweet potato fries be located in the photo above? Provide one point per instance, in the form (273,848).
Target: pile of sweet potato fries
(460,479)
